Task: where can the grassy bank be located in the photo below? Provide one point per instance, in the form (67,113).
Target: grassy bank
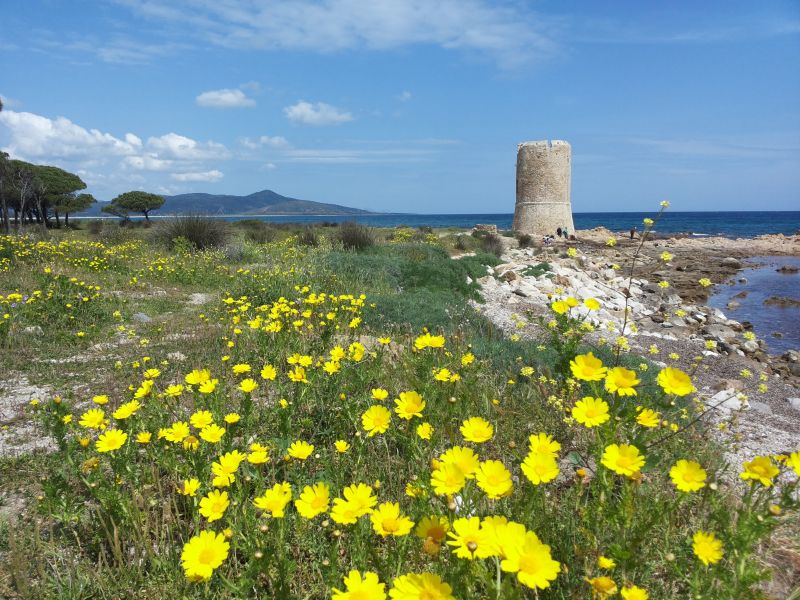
(264,416)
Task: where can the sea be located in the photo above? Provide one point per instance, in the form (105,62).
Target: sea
(728,224)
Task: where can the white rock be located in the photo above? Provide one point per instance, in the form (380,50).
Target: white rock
(727,400)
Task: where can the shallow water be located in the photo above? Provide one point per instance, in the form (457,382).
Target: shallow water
(763,281)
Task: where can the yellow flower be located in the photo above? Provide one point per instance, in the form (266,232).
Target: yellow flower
(427,340)
(688,476)
(268,373)
(409,405)
(232,418)
(603,587)
(587,367)
(177,432)
(433,527)
(591,304)
(543,443)
(572,252)
(212,433)
(201,418)
(102,399)
(634,592)
(760,469)
(275,499)
(341,446)
(376,419)
(423,586)
(314,500)
(605,563)
(388,520)
(675,381)
(126,410)
(66,419)
(248,385)
(705,282)
(467,359)
(202,554)
(794,462)
(648,418)
(331,367)
(144,437)
(591,412)
(94,418)
(190,487)
(357,587)
(111,440)
(468,539)
(298,375)
(559,307)
(300,450)
(532,561)
(623,459)
(477,430)
(425,431)
(379,394)
(241,368)
(208,387)
(540,468)
(707,547)
(447,480)
(214,505)
(173,391)
(494,479)
(463,458)
(358,501)
(622,381)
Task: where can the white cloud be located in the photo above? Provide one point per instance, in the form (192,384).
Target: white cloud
(148,163)
(9,102)
(35,136)
(316,114)
(125,162)
(405,96)
(264,141)
(507,32)
(208,176)
(225,98)
(178,146)
(270,166)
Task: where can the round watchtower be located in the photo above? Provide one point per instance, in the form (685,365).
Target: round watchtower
(543,188)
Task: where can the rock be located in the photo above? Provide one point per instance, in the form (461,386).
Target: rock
(140,317)
(677,322)
(499,269)
(730,262)
(751,346)
(760,407)
(742,294)
(727,400)
(33,330)
(200,298)
(176,356)
(509,276)
(720,332)
(673,299)
(487,280)
(743,281)
(732,305)
(609,273)
(788,269)
(794,403)
(776,334)
(489,228)
(782,302)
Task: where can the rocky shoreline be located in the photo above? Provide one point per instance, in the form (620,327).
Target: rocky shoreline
(673,318)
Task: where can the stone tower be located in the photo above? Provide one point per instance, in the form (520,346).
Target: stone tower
(543,188)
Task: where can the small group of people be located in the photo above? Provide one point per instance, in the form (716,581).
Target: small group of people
(560,232)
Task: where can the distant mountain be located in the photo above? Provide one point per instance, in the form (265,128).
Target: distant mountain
(265,202)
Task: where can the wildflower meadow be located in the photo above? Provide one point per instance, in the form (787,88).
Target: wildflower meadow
(333,423)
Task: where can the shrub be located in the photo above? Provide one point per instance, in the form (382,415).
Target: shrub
(525,240)
(95,226)
(259,232)
(308,237)
(492,244)
(200,231)
(355,237)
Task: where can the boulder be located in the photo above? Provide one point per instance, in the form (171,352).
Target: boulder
(794,403)
(720,332)
(730,262)
(140,317)
(727,401)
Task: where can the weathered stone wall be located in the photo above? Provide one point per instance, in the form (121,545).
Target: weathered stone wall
(544,170)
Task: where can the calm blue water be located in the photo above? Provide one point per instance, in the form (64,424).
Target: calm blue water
(764,281)
(729,224)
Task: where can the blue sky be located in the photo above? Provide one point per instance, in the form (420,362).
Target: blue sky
(410,105)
